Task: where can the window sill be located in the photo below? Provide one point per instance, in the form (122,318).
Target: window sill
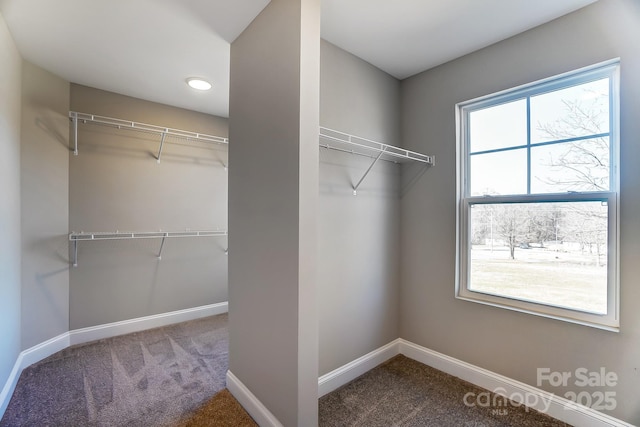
(604,322)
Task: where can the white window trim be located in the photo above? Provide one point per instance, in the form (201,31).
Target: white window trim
(610,321)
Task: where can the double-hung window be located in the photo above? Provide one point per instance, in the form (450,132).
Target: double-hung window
(537,217)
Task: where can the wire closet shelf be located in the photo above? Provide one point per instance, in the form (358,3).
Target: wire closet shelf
(163,132)
(122,235)
(352,144)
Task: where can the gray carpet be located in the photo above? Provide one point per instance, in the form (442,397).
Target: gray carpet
(150,378)
(167,377)
(403,392)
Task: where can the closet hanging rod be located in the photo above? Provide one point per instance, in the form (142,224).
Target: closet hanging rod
(122,235)
(366,147)
(76,117)
(349,143)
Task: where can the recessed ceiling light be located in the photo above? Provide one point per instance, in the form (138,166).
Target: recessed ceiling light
(198,83)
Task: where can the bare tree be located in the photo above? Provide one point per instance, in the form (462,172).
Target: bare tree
(582,165)
(513,225)
(544,223)
(587,225)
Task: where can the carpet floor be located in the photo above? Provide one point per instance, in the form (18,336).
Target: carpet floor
(149,378)
(175,376)
(222,410)
(403,392)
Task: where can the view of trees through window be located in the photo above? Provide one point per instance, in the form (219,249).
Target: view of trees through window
(551,252)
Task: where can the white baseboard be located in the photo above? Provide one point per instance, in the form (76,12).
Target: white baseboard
(108,330)
(29,357)
(352,370)
(45,349)
(326,383)
(9,386)
(554,406)
(251,403)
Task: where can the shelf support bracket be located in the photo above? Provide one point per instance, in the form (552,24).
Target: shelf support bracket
(164,135)
(75,253)
(74,119)
(162,246)
(355,188)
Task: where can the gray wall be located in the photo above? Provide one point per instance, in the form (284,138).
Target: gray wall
(358,236)
(10,82)
(115,183)
(511,343)
(273,192)
(44,168)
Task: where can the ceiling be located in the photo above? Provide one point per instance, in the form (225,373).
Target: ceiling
(148,48)
(405,37)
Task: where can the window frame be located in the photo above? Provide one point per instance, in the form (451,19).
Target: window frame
(609,321)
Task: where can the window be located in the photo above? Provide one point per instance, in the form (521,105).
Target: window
(538,198)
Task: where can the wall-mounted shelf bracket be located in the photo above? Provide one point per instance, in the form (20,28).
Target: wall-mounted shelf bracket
(85,118)
(355,188)
(164,136)
(119,235)
(74,119)
(340,141)
(162,246)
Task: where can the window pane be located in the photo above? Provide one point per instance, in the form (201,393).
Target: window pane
(581,110)
(501,126)
(548,253)
(571,166)
(504,172)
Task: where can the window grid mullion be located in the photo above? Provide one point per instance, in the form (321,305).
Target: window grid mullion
(466,154)
(542,144)
(528,145)
(613,156)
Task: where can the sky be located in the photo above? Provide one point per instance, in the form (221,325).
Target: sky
(504,126)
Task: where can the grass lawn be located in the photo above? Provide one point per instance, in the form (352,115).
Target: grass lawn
(570,280)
